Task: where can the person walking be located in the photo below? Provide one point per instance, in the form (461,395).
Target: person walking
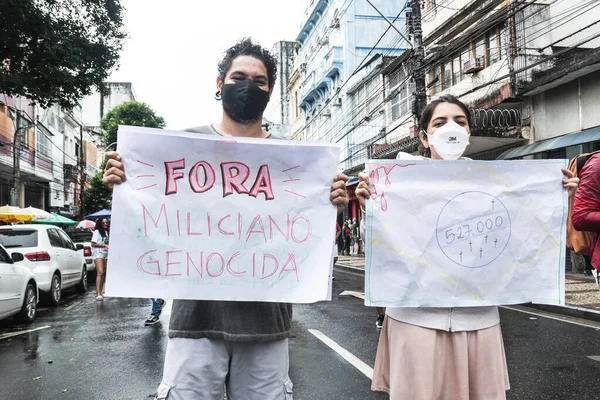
(347,239)
(99,245)
(442,353)
(157,306)
(354,232)
(240,345)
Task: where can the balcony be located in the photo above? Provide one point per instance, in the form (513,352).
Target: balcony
(71,173)
(320,81)
(474,65)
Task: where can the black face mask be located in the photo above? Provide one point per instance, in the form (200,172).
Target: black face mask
(244,102)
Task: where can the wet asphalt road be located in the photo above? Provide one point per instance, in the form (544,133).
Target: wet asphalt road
(103,351)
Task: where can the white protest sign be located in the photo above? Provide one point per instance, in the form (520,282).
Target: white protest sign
(465,233)
(220,218)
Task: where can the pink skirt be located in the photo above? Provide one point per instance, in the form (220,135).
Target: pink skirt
(416,363)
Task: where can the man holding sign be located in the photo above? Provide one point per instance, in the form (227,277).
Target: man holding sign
(240,344)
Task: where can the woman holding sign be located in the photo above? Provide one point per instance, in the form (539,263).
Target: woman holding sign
(442,353)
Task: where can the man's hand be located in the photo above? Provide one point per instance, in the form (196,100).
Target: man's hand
(114,173)
(363,191)
(338,194)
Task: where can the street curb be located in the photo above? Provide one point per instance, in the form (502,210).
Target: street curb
(350,267)
(570,311)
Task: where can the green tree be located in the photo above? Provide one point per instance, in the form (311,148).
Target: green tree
(96,196)
(131,113)
(57,51)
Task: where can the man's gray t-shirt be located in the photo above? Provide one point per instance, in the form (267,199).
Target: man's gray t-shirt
(229,320)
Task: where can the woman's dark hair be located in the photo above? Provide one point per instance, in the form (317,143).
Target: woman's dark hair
(428,113)
(246,47)
(100,227)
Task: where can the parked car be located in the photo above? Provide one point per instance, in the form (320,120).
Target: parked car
(84,237)
(56,262)
(18,288)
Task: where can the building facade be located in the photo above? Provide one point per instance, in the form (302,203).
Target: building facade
(337,38)
(277,114)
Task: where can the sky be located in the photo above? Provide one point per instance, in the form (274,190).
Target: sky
(174,47)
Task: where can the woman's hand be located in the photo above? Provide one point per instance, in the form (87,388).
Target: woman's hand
(114,173)
(338,195)
(363,191)
(571,182)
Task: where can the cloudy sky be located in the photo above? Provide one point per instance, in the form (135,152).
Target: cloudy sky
(173,49)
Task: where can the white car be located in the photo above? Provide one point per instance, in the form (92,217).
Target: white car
(18,288)
(56,262)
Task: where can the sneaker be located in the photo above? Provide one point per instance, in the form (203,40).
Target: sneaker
(379,322)
(596,275)
(152,319)
(99,298)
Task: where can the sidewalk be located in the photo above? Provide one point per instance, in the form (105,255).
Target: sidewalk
(580,290)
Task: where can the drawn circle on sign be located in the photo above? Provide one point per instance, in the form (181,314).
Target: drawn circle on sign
(473,229)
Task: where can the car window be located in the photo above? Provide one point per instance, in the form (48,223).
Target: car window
(54,238)
(4,257)
(67,243)
(79,235)
(18,238)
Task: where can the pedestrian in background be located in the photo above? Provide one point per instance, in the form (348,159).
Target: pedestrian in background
(347,238)
(354,232)
(586,210)
(441,353)
(157,306)
(99,245)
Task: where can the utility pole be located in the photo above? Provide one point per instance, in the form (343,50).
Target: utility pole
(16,189)
(419,64)
(82,176)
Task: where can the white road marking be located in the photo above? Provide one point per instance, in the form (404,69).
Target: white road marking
(595,358)
(72,306)
(580,322)
(346,355)
(11,334)
(360,295)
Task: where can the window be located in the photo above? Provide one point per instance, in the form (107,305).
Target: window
(66,241)
(503,42)
(447,75)
(296,103)
(42,143)
(77,154)
(480,49)
(54,238)
(18,238)
(456,68)
(397,87)
(466,55)
(492,49)
(437,77)
(373,94)
(4,257)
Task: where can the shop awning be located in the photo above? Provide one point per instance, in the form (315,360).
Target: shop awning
(571,139)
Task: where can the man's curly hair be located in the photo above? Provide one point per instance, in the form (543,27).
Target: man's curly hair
(246,47)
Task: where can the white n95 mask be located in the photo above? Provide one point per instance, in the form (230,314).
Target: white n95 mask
(449,141)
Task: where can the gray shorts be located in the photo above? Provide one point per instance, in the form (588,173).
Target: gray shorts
(203,368)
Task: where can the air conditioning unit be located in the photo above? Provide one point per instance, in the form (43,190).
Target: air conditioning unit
(326,113)
(335,23)
(474,65)
(303,67)
(324,41)
(337,102)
